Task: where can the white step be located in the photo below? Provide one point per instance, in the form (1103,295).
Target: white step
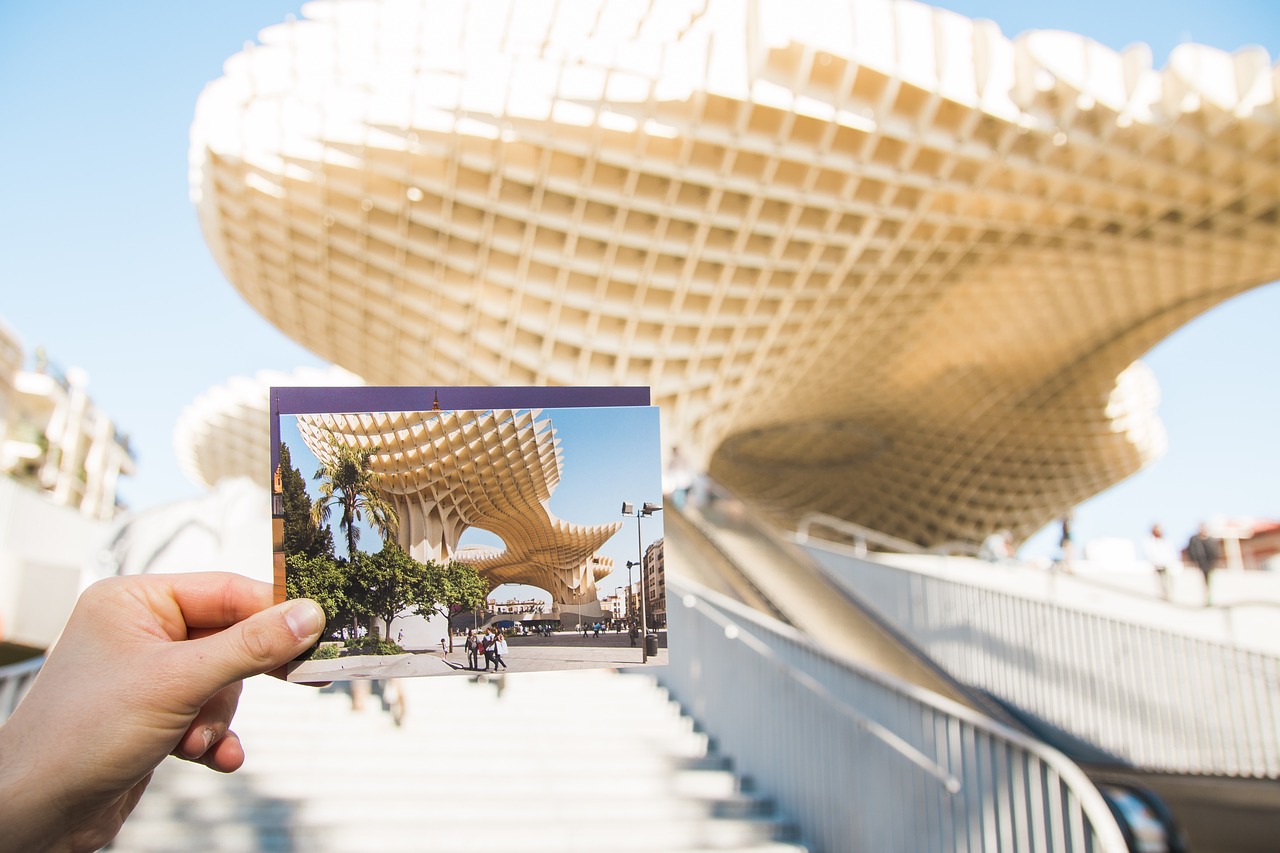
(556,762)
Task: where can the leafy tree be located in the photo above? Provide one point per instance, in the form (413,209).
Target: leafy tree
(302,534)
(322,579)
(387,583)
(349,481)
(453,587)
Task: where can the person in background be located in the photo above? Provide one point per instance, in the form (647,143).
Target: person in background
(473,650)
(1204,551)
(1160,554)
(1066,545)
(677,479)
(998,547)
(146,666)
(500,648)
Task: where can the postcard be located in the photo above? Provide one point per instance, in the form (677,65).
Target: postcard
(451,531)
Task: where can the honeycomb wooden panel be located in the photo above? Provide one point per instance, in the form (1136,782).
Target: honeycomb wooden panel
(867,220)
(448,471)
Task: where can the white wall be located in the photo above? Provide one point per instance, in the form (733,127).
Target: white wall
(44,551)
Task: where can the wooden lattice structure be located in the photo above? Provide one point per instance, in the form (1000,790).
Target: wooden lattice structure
(874,258)
(446,471)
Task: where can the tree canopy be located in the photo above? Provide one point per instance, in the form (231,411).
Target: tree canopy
(302,534)
(349,482)
(390,582)
(322,579)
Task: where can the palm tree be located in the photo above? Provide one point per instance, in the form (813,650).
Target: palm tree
(349,481)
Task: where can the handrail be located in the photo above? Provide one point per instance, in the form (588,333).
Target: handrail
(1012,793)
(1161,699)
(734,631)
(15,680)
(863,535)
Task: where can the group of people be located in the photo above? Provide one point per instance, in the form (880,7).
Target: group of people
(492,645)
(1204,552)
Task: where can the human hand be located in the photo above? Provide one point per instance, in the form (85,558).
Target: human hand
(147,665)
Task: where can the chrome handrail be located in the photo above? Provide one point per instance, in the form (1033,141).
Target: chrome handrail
(734,631)
(1161,699)
(774,706)
(862,535)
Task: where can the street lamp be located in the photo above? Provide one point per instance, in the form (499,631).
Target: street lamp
(645,509)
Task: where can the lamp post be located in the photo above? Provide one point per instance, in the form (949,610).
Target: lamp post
(645,509)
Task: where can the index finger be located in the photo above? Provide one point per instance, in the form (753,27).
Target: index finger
(217,599)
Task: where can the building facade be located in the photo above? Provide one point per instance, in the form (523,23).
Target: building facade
(655,571)
(52,436)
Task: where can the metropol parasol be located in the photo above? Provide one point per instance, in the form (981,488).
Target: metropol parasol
(875,259)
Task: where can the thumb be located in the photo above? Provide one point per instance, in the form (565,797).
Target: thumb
(261,643)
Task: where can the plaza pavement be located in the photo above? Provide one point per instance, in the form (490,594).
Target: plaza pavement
(564,650)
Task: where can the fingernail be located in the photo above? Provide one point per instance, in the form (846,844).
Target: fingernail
(206,735)
(305,619)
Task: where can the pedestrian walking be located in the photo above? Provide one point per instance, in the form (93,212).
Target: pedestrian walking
(473,650)
(1160,554)
(1205,552)
(499,649)
(487,647)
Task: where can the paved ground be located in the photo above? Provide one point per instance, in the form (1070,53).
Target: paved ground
(561,651)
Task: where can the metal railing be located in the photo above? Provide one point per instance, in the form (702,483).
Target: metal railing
(862,536)
(861,761)
(15,680)
(1156,698)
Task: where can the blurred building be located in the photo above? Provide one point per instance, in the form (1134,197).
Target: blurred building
(632,593)
(655,572)
(1248,543)
(902,280)
(615,605)
(226,432)
(513,605)
(53,438)
(1261,550)
(61,459)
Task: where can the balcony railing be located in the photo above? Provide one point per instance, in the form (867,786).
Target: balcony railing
(861,761)
(1160,699)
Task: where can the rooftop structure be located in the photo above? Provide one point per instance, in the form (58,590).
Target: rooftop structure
(226,432)
(446,471)
(874,258)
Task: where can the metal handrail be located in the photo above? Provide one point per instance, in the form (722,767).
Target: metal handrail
(773,700)
(862,535)
(734,631)
(1160,699)
(15,680)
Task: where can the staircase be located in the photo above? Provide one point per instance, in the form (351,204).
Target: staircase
(580,761)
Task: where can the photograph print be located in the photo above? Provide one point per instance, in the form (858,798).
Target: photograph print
(491,538)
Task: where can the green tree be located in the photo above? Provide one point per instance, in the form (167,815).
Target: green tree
(322,579)
(386,584)
(452,587)
(349,482)
(302,534)
(390,582)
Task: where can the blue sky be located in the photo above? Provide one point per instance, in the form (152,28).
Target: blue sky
(102,262)
(608,455)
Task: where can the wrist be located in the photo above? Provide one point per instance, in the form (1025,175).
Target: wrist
(29,813)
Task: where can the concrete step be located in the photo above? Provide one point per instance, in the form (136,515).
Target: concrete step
(578,761)
(562,832)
